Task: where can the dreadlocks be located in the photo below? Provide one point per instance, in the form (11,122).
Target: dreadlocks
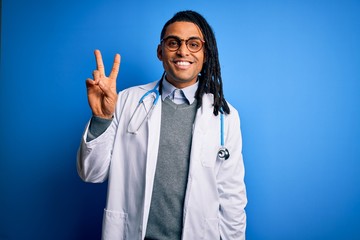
(210,76)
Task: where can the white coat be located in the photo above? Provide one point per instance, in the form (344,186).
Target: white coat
(215,197)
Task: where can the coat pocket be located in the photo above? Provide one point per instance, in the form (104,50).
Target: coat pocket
(209,156)
(211,229)
(114,225)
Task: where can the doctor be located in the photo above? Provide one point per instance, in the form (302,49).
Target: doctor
(158,144)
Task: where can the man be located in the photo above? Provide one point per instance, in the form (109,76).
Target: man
(158,144)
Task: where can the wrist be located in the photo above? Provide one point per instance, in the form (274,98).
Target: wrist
(103,117)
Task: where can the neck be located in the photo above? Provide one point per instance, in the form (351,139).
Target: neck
(181,84)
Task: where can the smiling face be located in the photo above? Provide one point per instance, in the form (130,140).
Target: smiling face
(182,66)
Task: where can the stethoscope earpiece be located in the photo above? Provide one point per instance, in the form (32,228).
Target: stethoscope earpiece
(223,153)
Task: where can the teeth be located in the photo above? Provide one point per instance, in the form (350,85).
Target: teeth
(183,63)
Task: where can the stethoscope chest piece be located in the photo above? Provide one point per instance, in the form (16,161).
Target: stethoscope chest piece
(223,153)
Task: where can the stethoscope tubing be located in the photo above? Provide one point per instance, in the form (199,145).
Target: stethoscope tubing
(222,138)
(223,153)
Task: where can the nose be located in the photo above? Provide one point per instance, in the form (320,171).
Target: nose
(183,50)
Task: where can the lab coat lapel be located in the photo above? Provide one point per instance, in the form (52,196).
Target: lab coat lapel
(202,126)
(153,129)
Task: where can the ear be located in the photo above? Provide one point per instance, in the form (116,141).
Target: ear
(159,52)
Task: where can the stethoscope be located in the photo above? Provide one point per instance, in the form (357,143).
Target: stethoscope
(223,153)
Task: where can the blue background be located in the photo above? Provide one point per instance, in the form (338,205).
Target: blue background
(291,68)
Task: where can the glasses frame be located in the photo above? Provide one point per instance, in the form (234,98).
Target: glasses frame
(180,40)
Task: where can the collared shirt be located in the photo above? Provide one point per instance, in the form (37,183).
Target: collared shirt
(179,96)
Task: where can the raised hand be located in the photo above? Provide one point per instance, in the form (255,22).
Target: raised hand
(101,90)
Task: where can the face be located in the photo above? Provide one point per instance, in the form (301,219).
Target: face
(182,66)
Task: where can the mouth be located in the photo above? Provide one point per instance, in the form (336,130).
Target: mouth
(182,63)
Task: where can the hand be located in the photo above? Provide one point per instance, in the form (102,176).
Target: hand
(101,90)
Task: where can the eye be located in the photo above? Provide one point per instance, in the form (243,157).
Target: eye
(194,44)
(172,43)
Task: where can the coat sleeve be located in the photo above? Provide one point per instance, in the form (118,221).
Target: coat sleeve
(231,184)
(94,156)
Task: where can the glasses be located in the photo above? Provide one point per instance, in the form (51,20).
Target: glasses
(193,44)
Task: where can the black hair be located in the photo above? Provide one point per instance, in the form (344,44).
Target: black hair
(210,76)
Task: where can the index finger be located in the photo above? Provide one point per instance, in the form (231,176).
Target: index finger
(99,63)
(115,69)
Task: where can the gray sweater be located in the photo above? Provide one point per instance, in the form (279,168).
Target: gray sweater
(166,209)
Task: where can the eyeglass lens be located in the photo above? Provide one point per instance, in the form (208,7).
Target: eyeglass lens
(193,44)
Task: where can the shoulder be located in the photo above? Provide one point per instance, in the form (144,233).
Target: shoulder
(233,110)
(208,103)
(131,96)
(139,88)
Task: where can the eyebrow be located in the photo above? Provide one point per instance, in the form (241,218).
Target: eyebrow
(174,36)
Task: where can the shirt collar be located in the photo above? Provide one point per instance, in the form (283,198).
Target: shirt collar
(186,94)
